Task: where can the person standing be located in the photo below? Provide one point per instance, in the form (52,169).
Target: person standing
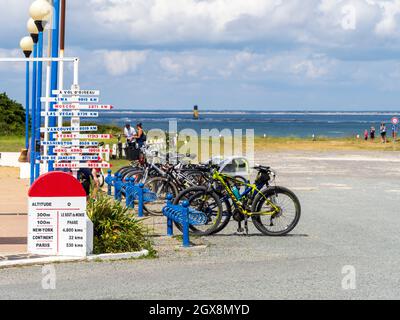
(372,133)
(383,133)
(129,133)
(366,135)
(394,132)
(140,136)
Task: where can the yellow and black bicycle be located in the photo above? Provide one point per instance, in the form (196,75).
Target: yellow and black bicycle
(274,210)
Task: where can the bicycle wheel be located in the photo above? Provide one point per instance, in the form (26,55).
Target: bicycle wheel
(161,187)
(282,222)
(137,174)
(206,201)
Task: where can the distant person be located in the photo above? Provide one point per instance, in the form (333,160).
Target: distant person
(129,133)
(366,134)
(383,133)
(140,136)
(372,133)
(394,132)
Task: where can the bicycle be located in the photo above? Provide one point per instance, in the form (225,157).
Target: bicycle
(259,201)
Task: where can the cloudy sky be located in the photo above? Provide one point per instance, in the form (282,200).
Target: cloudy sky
(226,54)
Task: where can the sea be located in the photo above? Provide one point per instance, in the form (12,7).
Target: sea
(270,123)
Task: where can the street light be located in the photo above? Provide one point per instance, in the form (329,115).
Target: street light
(40,11)
(26,45)
(34,32)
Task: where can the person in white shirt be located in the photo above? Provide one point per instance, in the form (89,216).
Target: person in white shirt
(129,132)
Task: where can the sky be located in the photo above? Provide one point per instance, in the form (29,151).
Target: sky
(225,54)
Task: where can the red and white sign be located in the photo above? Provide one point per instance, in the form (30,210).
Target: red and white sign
(83,136)
(57,223)
(83,106)
(94,165)
(395,120)
(82,150)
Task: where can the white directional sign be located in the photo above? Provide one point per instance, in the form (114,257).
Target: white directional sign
(71,99)
(82,136)
(70,129)
(69,158)
(82,150)
(95,165)
(77,92)
(83,106)
(70,114)
(69,143)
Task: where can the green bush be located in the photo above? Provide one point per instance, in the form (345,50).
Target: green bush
(12,116)
(115,229)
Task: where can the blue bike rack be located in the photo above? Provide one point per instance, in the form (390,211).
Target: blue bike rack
(132,191)
(183,215)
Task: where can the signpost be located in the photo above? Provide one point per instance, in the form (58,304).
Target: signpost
(74,99)
(83,107)
(57,223)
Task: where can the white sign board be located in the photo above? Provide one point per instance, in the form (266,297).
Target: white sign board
(70,129)
(57,220)
(69,143)
(70,114)
(57,226)
(77,92)
(70,99)
(95,165)
(82,136)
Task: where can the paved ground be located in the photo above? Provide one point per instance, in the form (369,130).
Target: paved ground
(350,217)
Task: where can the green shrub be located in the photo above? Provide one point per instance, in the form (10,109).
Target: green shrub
(115,229)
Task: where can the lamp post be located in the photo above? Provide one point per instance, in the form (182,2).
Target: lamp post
(26,45)
(40,11)
(33,30)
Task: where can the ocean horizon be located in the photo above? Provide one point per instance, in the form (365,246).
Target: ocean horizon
(331,123)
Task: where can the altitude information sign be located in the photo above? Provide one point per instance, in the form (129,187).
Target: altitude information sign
(57,223)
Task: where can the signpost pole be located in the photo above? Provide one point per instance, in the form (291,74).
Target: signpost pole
(27,106)
(54,69)
(39,95)
(34,100)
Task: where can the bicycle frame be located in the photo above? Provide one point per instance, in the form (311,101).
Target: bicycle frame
(250,189)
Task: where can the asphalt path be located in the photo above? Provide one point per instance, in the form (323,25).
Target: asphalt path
(346,246)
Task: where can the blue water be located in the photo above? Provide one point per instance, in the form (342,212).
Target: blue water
(300,124)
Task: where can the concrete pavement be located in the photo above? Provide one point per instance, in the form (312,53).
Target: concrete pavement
(350,217)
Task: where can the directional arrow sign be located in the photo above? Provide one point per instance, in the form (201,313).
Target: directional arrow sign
(95,165)
(70,114)
(82,136)
(70,99)
(82,150)
(83,107)
(70,129)
(68,158)
(77,92)
(69,143)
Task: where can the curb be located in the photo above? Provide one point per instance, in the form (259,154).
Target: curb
(90,258)
(118,256)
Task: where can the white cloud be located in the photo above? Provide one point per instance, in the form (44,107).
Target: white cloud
(119,63)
